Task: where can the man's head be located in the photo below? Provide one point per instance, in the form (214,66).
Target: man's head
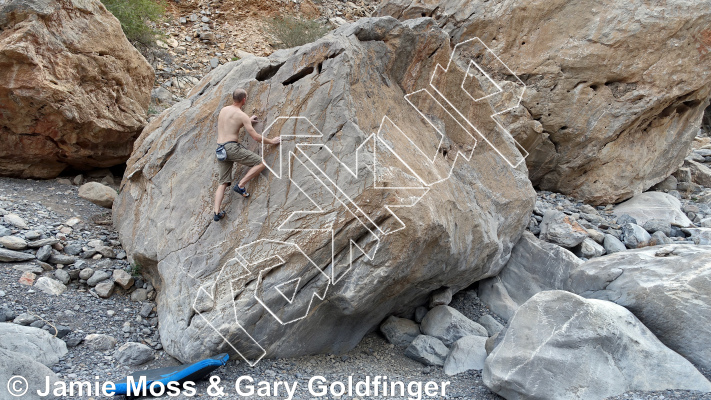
(239,96)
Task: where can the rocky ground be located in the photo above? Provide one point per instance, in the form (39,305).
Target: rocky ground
(201,35)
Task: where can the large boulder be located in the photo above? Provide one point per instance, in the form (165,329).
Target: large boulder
(561,346)
(534,266)
(616,88)
(74,91)
(36,374)
(668,288)
(35,343)
(253,283)
(649,206)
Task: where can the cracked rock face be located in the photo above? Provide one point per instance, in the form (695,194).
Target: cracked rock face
(552,341)
(73,90)
(619,87)
(668,288)
(269,280)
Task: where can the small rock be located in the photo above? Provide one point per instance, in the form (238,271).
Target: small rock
(44,252)
(427,350)
(34,268)
(35,244)
(33,235)
(98,194)
(659,238)
(95,243)
(133,353)
(449,325)
(86,273)
(667,184)
(78,180)
(139,295)
(399,331)
(62,259)
(100,341)
(72,221)
(73,249)
(214,62)
(561,229)
(441,297)
(27,278)
(14,256)
(656,225)
(62,276)
(15,220)
(96,277)
(491,324)
(25,319)
(13,242)
(596,235)
(613,244)
(123,278)
(105,289)
(634,236)
(50,286)
(589,249)
(147,309)
(467,353)
(420,313)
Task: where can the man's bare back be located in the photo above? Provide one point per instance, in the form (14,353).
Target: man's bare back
(229,122)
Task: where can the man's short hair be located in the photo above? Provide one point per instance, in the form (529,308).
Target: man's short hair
(239,95)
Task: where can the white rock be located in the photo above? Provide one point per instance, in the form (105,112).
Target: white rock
(50,286)
(15,220)
(98,194)
(654,205)
(13,242)
(466,354)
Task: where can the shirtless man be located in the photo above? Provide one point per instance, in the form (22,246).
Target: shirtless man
(229,122)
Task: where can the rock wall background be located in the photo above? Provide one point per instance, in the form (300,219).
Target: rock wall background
(73,91)
(619,87)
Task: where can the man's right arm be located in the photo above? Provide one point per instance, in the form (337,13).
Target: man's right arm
(247,122)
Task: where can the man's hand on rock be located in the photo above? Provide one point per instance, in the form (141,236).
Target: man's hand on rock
(276,140)
(254,119)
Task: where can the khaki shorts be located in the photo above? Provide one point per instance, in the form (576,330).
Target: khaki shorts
(236,153)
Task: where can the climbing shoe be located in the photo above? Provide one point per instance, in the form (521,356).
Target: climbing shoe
(219,216)
(242,191)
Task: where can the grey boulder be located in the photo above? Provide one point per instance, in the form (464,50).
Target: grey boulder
(35,343)
(634,236)
(613,244)
(654,206)
(399,331)
(449,325)
(427,350)
(589,249)
(561,229)
(132,353)
(668,288)
(469,225)
(534,265)
(37,374)
(466,354)
(561,346)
